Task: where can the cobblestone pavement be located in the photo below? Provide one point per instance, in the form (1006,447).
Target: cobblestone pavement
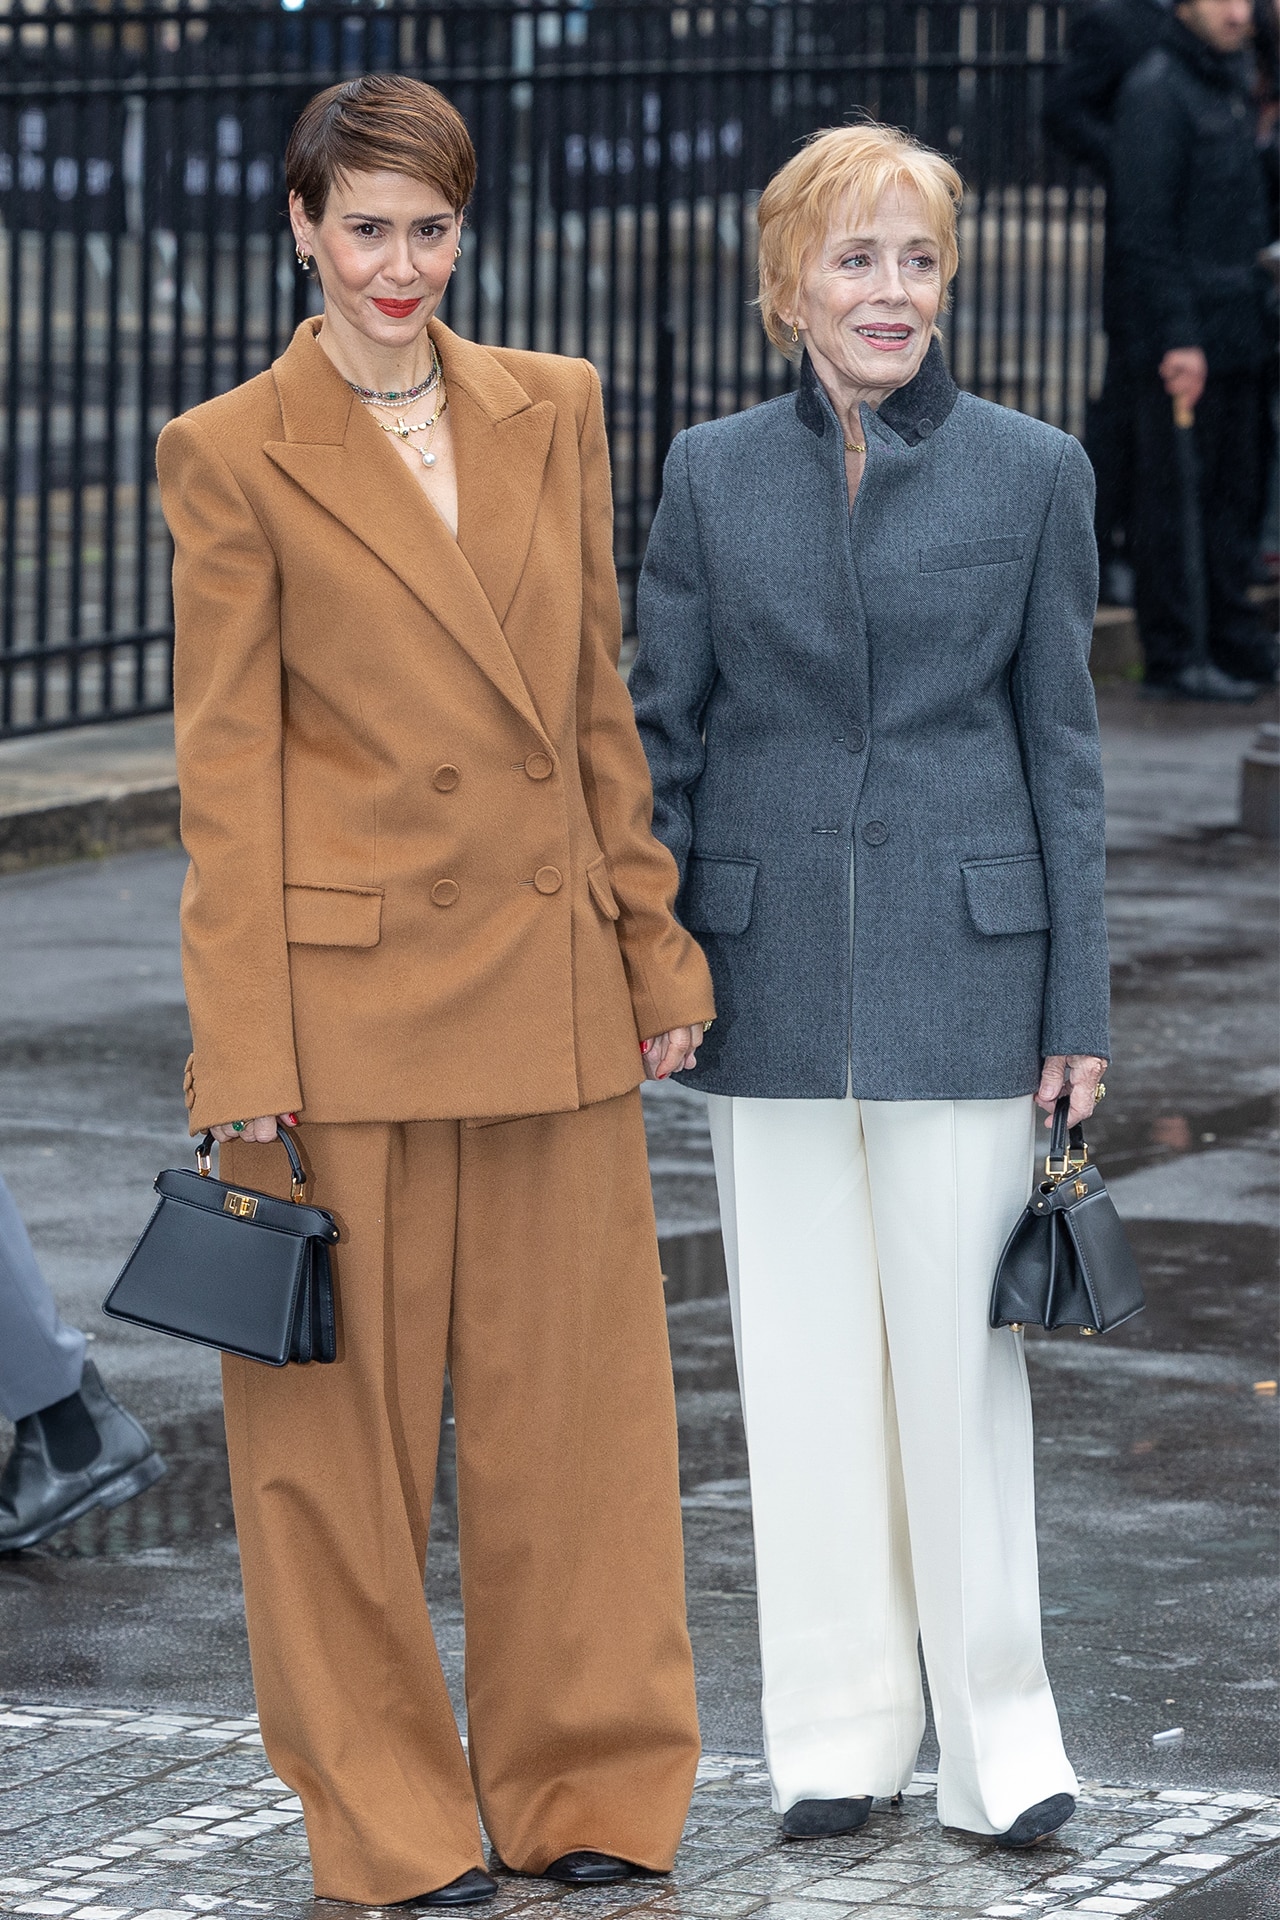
(112,1814)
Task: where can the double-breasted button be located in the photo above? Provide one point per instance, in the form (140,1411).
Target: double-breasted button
(548,880)
(445,779)
(539,766)
(853,741)
(445,892)
(875,833)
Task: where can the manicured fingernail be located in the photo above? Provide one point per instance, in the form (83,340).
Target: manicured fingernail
(645,1045)
(291,1119)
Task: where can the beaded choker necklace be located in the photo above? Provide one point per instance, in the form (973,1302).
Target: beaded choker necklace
(372,397)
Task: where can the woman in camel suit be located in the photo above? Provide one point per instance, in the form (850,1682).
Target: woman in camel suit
(426,920)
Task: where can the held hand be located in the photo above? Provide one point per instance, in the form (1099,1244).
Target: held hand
(1184,371)
(261,1130)
(674,1052)
(1085,1070)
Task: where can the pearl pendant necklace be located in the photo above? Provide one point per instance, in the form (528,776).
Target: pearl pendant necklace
(405,429)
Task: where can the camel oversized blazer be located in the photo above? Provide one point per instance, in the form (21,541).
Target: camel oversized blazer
(423,883)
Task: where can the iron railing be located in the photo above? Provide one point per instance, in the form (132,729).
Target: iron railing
(145,262)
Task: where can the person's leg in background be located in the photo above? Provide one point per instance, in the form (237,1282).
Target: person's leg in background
(1108,441)
(75,1448)
(842,1701)
(1231,439)
(948,1180)
(1161,596)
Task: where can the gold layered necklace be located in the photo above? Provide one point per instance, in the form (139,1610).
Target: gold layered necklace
(403,428)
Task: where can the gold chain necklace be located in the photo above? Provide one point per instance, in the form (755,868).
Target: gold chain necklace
(405,429)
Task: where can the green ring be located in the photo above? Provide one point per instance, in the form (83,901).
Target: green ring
(237,1126)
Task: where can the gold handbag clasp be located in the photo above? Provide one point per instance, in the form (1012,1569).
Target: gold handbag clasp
(1072,1161)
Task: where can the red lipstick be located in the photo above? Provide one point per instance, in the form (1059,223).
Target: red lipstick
(397,309)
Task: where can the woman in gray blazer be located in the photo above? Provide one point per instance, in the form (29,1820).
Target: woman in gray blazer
(865,617)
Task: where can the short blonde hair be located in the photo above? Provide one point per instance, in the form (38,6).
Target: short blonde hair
(838,168)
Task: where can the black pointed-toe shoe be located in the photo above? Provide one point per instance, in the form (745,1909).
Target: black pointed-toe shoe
(586,1869)
(466,1891)
(825,1819)
(1038,1821)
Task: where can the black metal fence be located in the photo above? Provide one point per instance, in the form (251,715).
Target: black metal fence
(145,262)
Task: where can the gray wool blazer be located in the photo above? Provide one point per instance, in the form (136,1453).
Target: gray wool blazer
(894,703)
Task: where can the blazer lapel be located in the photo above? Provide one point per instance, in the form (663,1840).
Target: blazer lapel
(334,452)
(502,441)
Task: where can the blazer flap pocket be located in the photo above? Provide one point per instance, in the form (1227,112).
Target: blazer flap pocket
(971,553)
(332,916)
(1007,895)
(601,891)
(718,895)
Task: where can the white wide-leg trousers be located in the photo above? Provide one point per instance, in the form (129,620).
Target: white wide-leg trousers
(889,1438)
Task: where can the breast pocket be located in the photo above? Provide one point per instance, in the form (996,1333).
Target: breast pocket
(1007,895)
(972,553)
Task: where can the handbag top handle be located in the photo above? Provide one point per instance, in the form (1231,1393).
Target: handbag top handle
(204,1160)
(1067,1150)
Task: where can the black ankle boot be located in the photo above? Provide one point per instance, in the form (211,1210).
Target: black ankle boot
(38,1495)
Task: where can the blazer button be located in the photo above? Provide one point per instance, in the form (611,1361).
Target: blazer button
(854,741)
(445,779)
(875,833)
(445,892)
(539,767)
(548,880)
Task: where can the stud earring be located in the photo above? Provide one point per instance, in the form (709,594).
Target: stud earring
(795,334)
(304,259)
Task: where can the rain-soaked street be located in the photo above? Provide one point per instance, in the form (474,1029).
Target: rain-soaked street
(1156,1447)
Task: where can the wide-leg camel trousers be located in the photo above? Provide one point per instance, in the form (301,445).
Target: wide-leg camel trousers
(522,1256)
(889,1438)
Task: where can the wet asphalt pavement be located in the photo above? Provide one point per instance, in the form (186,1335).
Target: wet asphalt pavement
(1156,1448)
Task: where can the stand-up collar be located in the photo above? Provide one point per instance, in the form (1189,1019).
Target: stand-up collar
(912,412)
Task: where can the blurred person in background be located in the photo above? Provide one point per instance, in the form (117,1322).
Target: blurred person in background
(75,1447)
(1266,48)
(1190,224)
(1104,41)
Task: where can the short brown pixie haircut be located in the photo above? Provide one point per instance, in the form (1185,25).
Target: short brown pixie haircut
(379,123)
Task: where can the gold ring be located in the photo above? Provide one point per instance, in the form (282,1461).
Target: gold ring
(1100,1092)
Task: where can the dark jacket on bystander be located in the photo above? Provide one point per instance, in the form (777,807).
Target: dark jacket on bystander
(1104,42)
(1190,214)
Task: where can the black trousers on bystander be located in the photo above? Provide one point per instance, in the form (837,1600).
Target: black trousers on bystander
(1231,446)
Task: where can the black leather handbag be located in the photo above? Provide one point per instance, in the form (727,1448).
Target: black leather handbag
(231,1268)
(1067,1262)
